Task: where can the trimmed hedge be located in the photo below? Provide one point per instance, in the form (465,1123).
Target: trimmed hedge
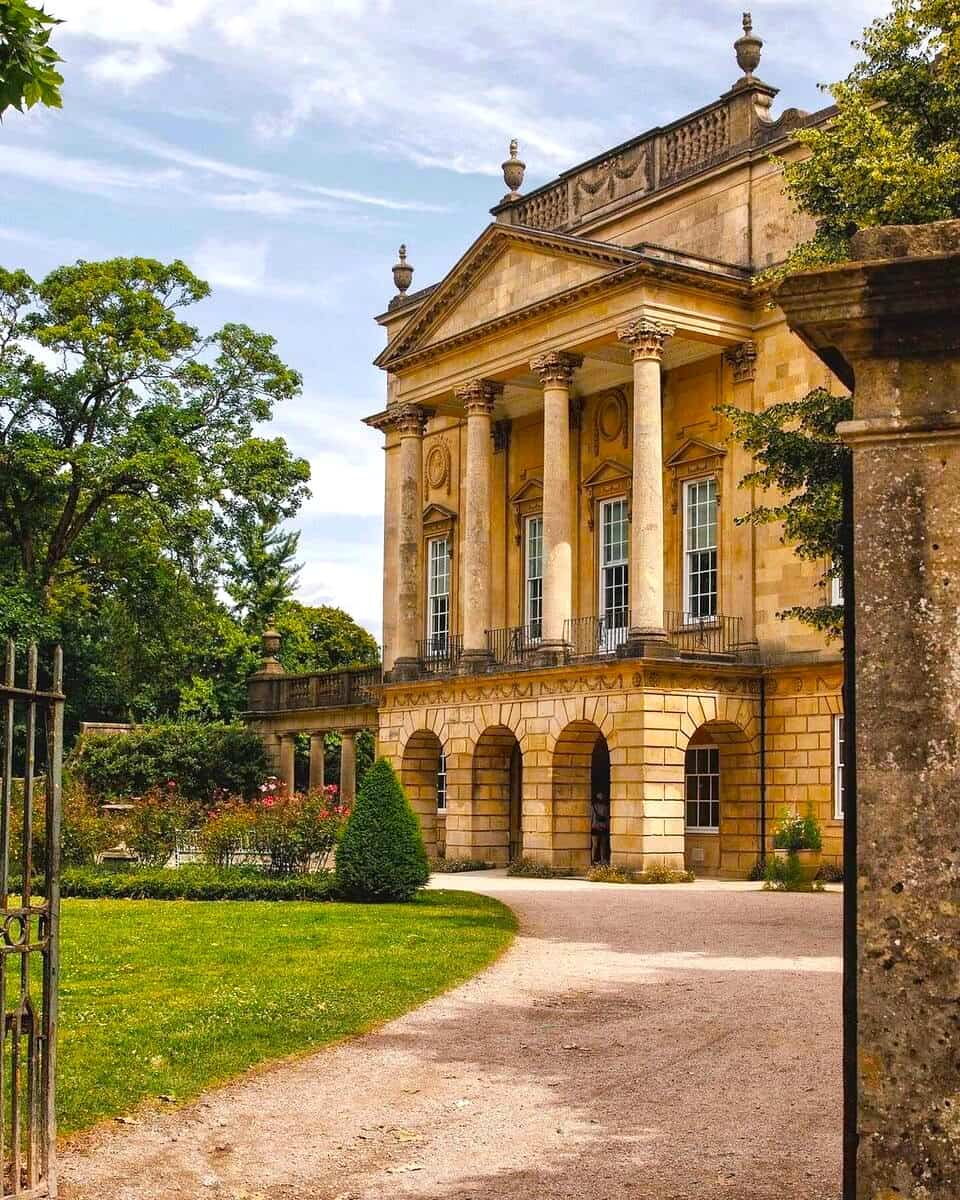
(381,855)
(194,883)
(454,866)
(203,759)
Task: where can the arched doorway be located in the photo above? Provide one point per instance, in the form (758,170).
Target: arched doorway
(497,796)
(423,775)
(721,801)
(581,775)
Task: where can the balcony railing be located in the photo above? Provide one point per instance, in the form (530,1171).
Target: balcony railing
(440,654)
(329,689)
(590,636)
(511,646)
(703,635)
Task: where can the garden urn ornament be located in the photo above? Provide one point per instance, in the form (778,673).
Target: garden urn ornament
(513,169)
(402,274)
(748,49)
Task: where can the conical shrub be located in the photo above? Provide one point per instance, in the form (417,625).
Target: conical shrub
(381,855)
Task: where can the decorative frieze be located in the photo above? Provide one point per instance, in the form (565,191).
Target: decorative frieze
(646,338)
(627,173)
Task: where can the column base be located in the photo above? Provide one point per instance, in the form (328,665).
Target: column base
(647,643)
(404,670)
(550,654)
(475,662)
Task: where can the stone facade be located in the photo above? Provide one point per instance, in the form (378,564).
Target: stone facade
(573,360)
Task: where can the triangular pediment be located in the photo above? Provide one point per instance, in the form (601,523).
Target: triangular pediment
(694,450)
(436,512)
(532,489)
(509,272)
(609,471)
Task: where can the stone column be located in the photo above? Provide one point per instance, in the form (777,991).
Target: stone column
(477,399)
(555,370)
(646,340)
(348,766)
(887,325)
(410,422)
(288,749)
(742,359)
(316,761)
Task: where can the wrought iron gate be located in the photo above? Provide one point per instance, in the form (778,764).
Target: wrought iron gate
(31,718)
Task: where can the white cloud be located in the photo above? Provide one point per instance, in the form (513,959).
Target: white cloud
(241,266)
(84,174)
(128,66)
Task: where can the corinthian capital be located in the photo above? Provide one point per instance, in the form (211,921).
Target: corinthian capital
(479,396)
(409,420)
(645,338)
(743,359)
(556,366)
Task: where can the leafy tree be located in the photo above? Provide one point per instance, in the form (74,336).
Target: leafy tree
(127,425)
(322,638)
(797,450)
(262,569)
(381,855)
(891,155)
(28,73)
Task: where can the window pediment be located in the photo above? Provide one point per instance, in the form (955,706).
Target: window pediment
(694,457)
(527,501)
(438,520)
(609,479)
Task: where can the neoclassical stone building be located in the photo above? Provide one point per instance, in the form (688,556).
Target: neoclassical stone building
(572,612)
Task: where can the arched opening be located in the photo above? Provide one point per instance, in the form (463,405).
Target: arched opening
(497,796)
(423,775)
(721,801)
(581,797)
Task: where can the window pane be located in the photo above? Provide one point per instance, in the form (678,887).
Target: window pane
(702,787)
(700,548)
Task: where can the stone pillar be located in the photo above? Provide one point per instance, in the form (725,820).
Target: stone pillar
(477,399)
(888,326)
(410,422)
(555,370)
(316,761)
(348,766)
(647,636)
(742,360)
(288,748)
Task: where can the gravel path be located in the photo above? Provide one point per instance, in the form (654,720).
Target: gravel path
(654,1043)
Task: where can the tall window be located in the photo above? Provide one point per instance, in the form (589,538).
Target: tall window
(614,573)
(533,575)
(442,783)
(839,757)
(438,594)
(836,589)
(700,549)
(702,776)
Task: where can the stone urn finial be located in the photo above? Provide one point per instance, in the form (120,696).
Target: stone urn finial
(270,649)
(748,48)
(402,274)
(513,170)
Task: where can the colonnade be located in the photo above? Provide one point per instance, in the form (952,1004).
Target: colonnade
(556,371)
(281,748)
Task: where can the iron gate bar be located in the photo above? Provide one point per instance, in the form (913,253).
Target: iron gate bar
(27,1082)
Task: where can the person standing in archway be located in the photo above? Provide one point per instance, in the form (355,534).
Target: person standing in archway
(600,829)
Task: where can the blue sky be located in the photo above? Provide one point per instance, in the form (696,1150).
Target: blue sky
(284,149)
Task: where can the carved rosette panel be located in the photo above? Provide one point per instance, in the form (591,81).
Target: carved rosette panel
(437,467)
(610,423)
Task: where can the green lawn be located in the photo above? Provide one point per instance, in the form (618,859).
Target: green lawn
(165,998)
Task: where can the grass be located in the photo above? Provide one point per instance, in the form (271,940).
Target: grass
(166,998)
